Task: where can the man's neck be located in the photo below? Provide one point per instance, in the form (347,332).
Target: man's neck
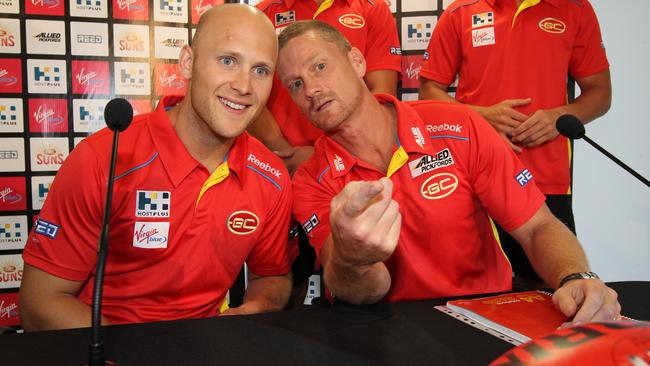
(201,142)
(371,135)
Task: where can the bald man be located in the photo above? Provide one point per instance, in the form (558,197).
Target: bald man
(194,198)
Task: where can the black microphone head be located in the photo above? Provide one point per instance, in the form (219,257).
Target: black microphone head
(570,126)
(118,114)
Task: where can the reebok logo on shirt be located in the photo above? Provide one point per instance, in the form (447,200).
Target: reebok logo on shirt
(264,166)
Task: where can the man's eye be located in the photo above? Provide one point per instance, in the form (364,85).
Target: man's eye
(320,66)
(228,61)
(261,71)
(296,84)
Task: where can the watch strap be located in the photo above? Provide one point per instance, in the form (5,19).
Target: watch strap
(578,276)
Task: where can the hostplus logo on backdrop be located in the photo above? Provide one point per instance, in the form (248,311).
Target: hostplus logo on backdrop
(47,76)
(132,78)
(88,114)
(174,11)
(40,189)
(11,115)
(13,232)
(416,32)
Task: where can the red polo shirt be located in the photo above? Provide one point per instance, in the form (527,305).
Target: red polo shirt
(456,172)
(498,59)
(369,26)
(177,239)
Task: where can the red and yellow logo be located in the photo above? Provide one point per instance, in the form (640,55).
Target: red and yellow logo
(242,222)
(353,21)
(439,186)
(552,25)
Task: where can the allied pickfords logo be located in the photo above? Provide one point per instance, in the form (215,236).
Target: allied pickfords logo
(48,115)
(13,232)
(152,203)
(12,154)
(47,154)
(9,313)
(169,41)
(88,115)
(89,8)
(9,35)
(552,25)
(88,39)
(11,115)
(429,163)
(174,11)
(11,76)
(151,235)
(47,76)
(242,222)
(411,66)
(44,7)
(131,9)
(132,78)
(439,186)
(168,80)
(201,6)
(352,21)
(416,32)
(131,40)
(46,37)
(90,77)
(284,18)
(11,270)
(40,189)
(13,194)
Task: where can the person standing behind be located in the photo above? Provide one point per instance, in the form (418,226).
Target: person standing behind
(368,25)
(194,198)
(513,59)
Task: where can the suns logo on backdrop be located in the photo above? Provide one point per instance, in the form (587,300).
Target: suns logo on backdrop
(11,270)
(89,8)
(88,115)
(169,41)
(47,76)
(48,115)
(11,76)
(13,232)
(132,78)
(12,154)
(130,40)
(131,9)
(11,115)
(174,11)
(40,188)
(90,77)
(45,37)
(45,7)
(10,35)
(47,154)
(88,39)
(416,32)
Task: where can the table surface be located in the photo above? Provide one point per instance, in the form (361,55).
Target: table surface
(401,333)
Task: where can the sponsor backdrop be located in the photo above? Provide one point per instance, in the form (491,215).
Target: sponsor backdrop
(61,61)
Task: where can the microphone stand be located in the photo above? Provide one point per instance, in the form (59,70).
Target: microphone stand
(617,161)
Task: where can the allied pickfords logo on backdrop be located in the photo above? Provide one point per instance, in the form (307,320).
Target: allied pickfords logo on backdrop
(174,11)
(48,115)
(416,32)
(411,66)
(169,41)
(131,9)
(47,76)
(201,6)
(88,115)
(132,78)
(168,80)
(11,270)
(13,232)
(90,77)
(9,313)
(151,235)
(242,222)
(13,194)
(89,8)
(11,115)
(47,154)
(152,203)
(40,189)
(131,40)
(11,76)
(45,7)
(45,37)
(12,154)
(9,35)
(88,39)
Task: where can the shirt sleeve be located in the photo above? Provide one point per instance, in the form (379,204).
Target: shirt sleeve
(443,56)
(272,255)
(588,56)
(64,240)
(383,50)
(505,187)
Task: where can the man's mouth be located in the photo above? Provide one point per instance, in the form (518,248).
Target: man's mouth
(320,106)
(231,104)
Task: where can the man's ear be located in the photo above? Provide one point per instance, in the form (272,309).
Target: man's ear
(358,61)
(185,61)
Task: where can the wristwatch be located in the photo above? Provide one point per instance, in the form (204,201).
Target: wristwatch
(578,276)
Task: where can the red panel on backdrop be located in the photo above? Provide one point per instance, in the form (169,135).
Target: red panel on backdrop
(131,9)
(411,65)
(48,115)
(9,315)
(13,194)
(90,77)
(168,80)
(11,80)
(201,6)
(45,7)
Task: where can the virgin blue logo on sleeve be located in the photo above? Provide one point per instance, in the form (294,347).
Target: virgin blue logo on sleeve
(45,228)
(524,177)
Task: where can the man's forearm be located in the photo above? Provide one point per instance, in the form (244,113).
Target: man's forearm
(265,294)
(55,312)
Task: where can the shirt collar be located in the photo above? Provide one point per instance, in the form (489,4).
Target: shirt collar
(289,3)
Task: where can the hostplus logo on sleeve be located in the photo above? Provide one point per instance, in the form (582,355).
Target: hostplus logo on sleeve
(152,204)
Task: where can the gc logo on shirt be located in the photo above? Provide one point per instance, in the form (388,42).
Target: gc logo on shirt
(242,222)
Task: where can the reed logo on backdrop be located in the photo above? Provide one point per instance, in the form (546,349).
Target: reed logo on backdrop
(12,154)
(88,39)
(168,80)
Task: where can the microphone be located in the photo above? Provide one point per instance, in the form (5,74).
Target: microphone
(118,115)
(571,127)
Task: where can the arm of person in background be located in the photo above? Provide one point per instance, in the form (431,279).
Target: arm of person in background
(382,81)
(502,116)
(594,101)
(365,225)
(264,294)
(555,253)
(48,302)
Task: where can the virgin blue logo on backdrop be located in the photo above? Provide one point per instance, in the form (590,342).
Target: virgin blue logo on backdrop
(7,79)
(47,3)
(8,196)
(47,116)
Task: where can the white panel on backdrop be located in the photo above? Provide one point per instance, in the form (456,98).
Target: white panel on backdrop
(88,115)
(9,35)
(13,232)
(48,153)
(47,76)
(40,189)
(445,3)
(9,6)
(392,5)
(11,270)
(132,78)
(88,39)
(174,11)
(11,115)
(12,154)
(409,96)
(131,40)
(168,41)
(45,37)
(419,5)
(89,8)
(416,32)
